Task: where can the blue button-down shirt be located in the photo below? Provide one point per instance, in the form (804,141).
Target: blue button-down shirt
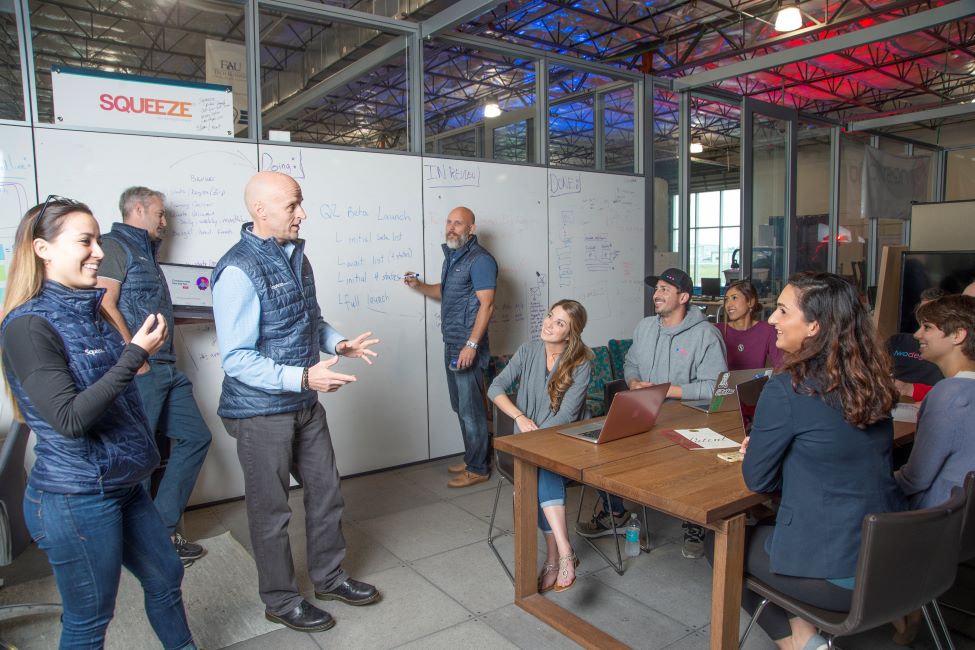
(237,313)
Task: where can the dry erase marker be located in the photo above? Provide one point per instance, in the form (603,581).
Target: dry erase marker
(411,276)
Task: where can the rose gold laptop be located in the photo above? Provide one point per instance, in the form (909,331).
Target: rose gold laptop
(632,412)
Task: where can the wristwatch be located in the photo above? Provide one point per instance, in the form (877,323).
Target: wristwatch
(471,344)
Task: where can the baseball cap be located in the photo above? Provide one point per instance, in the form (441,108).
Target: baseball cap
(672,276)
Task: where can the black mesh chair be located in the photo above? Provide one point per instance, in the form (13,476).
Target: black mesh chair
(14,536)
(907,559)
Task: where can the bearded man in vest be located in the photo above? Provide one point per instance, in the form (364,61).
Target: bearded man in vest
(468,282)
(134,288)
(271,333)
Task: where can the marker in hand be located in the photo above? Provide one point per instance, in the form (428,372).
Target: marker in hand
(411,279)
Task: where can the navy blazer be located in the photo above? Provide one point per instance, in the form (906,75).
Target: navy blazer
(831,474)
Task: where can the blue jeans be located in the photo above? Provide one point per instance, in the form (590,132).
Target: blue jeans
(88,538)
(167,396)
(612,503)
(466,389)
(551,492)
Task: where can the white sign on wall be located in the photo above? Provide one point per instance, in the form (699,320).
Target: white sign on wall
(103,99)
(227,65)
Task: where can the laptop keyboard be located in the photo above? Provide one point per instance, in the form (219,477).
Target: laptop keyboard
(592,435)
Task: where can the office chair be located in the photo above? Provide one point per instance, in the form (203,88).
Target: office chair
(907,559)
(14,536)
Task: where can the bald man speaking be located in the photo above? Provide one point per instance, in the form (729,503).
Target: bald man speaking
(466,293)
(271,333)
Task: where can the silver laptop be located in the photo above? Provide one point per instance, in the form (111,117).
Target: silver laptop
(632,412)
(189,289)
(725,394)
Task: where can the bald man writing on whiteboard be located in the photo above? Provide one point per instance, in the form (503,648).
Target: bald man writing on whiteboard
(271,333)
(466,293)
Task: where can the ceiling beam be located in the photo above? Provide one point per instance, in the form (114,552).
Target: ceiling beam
(321,11)
(938,113)
(885,31)
(346,75)
(457,13)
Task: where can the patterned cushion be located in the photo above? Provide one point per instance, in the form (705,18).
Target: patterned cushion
(596,406)
(617,355)
(602,372)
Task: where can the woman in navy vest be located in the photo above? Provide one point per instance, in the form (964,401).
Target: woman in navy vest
(70,374)
(822,436)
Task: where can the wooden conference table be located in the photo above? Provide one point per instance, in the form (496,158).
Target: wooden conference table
(652,470)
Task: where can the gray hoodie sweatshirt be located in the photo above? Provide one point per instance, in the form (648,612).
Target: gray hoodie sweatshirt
(689,355)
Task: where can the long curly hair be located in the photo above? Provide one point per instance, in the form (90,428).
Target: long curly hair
(574,354)
(845,360)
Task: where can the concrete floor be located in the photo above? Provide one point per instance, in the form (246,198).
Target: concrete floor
(424,545)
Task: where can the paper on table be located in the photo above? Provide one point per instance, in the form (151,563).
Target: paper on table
(700,439)
(905,412)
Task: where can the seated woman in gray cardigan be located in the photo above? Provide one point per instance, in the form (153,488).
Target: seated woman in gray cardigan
(554,376)
(944,446)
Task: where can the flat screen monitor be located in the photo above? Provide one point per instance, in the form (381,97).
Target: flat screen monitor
(189,289)
(951,271)
(711,287)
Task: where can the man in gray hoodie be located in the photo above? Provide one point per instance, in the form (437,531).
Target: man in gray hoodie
(678,346)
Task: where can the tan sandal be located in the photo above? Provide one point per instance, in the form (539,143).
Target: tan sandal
(564,561)
(546,569)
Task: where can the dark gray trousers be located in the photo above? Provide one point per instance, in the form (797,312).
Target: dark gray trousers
(271,448)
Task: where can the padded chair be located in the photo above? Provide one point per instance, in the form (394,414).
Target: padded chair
(602,374)
(617,355)
(14,536)
(907,559)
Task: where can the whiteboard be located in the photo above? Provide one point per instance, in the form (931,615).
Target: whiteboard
(18,193)
(510,209)
(364,228)
(596,230)
(204,186)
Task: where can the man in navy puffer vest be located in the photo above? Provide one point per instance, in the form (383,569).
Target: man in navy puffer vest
(134,288)
(468,281)
(271,333)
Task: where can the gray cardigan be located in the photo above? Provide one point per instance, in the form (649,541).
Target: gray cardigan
(528,365)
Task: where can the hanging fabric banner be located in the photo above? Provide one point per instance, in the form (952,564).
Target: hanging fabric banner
(227,65)
(891,183)
(94,98)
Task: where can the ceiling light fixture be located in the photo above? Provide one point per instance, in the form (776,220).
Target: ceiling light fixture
(697,147)
(789,19)
(491,109)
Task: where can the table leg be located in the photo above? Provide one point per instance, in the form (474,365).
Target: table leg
(726,583)
(526,525)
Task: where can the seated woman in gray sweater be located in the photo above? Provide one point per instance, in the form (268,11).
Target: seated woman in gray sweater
(554,374)
(944,446)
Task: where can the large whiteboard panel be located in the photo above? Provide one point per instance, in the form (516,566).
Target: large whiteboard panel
(18,193)
(364,228)
(204,186)
(596,226)
(509,204)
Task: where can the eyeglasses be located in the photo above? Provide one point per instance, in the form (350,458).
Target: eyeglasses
(57,200)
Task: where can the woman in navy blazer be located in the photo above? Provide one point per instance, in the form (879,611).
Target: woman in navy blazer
(822,436)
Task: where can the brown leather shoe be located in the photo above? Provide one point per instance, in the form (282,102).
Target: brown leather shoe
(457,468)
(466,479)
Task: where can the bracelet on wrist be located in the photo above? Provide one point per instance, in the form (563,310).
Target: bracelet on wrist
(471,344)
(304,379)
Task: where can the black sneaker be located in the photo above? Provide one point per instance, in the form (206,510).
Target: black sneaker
(600,525)
(693,547)
(186,550)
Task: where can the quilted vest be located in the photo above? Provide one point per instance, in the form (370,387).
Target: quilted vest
(118,450)
(458,302)
(144,290)
(290,321)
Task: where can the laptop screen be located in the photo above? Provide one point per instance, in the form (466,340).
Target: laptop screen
(748,394)
(189,286)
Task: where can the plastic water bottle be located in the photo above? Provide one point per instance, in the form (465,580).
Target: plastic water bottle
(633,536)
